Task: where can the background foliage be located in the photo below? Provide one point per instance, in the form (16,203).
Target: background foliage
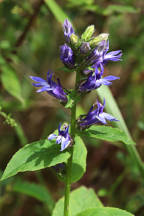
(30,36)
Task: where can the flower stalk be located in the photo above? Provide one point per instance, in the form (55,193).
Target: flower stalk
(69,163)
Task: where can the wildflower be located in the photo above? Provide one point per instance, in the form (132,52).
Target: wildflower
(51,87)
(95,80)
(101,56)
(68,30)
(63,137)
(67,56)
(95,116)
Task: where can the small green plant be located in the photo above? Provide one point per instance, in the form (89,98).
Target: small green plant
(64,149)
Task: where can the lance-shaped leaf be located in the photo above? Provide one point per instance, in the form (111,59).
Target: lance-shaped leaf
(81,199)
(35,156)
(107,133)
(79,160)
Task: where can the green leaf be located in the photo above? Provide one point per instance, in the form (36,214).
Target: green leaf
(11,82)
(79,160)
(56,10)
(120,9)
(107,133)
(105,211)
(80,199)
(72,96)
(35,156)
(37,191)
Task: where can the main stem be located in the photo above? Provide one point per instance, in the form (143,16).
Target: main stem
(69,163)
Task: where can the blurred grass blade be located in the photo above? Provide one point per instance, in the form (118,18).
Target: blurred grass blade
(11,82)
(56,10)
(111,9)
(20,134)
(112,107)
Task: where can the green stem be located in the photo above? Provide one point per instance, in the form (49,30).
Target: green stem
(69,163)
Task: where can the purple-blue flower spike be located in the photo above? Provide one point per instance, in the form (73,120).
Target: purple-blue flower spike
(67,56)
(95,116)
(68,30)
(95,80)
(51,87)
(101,56)
(63,137)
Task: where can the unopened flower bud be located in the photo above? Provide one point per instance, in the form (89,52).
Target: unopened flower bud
(101,37)
(74,39)
(85,47)
(68,30)
(67,56)
(88,33)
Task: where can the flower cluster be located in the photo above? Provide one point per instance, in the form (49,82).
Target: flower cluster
(88,56)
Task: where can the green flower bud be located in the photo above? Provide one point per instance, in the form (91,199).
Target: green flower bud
(86,36)
(74,39)
(104,36)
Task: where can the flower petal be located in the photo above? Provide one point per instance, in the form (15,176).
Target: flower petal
(101,118)
(45,88)
(52,136)
(65,143)
(109,117)
(38,79)
(110,78)
(59,139)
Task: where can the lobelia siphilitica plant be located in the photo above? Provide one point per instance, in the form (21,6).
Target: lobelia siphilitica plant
(64,149)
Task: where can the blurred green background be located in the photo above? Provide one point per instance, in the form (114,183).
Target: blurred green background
(30,36)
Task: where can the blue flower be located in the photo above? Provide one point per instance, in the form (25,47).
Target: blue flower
(95,80)
(51,87)
(101,56)
(68,30)
(67,56)
(63,137)
(95,116)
